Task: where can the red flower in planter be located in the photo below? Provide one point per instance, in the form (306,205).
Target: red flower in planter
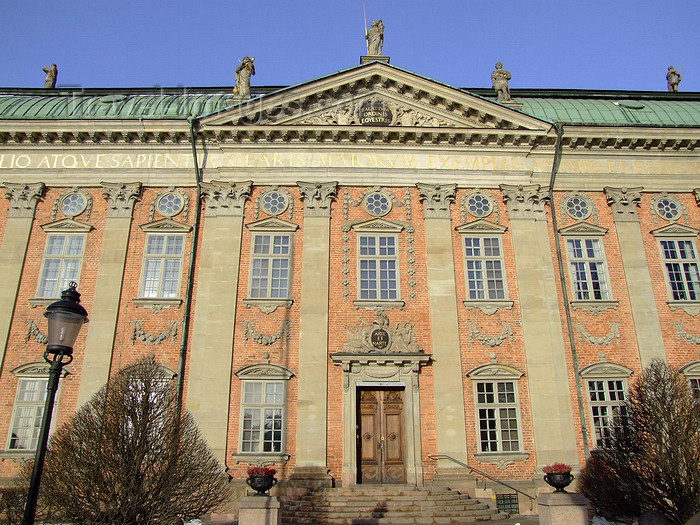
(254,472)
(557,468)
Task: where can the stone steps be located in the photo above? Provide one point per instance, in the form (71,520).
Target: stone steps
(386,505)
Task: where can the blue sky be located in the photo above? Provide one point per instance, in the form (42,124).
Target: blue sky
(599,44)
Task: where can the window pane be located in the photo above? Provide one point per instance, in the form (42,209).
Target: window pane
(499,428)
(262,429)
(483,265)
(587,262)
(29,409)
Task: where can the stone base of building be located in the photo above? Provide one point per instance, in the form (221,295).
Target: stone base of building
(310,478)
(563,508)
(454,479)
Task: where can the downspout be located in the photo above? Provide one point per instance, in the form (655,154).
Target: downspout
(565,294)
(190,273)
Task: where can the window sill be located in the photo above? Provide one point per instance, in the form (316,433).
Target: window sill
(594,306)
(156,304)
(270,457)
(42,301)
(267,305)
(371,304)
(20,455)
(689,307)
(501,459)
(487,306)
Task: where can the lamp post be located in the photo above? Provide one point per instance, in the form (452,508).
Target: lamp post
(65,317)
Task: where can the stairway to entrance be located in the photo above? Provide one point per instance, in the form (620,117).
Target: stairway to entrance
(386,505)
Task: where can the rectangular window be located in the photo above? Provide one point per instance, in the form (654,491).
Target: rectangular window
(269,266)
(695,387)
(606,398)
(161,265)
(28,411)
(483,263)
(262,428)
(63,255)
(681,263)
(497,410)
(588,271)
(378,264)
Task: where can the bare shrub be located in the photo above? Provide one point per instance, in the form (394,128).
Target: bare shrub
(652,459)
(126,457)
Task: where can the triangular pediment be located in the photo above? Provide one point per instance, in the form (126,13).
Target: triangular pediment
(272,224)
(67,226)
(675,230)
(481,226)
(583,229)
(378,225)
(375,95)
(167,225)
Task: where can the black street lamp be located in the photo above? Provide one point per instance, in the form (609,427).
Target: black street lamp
(65,317)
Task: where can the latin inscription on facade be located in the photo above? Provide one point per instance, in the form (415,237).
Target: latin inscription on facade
(375,113)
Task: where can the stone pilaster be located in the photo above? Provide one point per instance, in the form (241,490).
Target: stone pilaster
(548,377)
(450,425)
(647,327)
(104,313)
(214,322)
(311,469)
(13,250)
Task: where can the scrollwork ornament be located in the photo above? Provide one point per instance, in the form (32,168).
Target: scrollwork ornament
(120,197)
(23,198)
(317,197)
(34,332)
(436,199)
(137,332)
(265,339)
(624,202)
(613,334)
(525,201)
(682,335)
(491,342)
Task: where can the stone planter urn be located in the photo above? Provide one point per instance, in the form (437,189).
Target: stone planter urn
(558,476)
(261,484)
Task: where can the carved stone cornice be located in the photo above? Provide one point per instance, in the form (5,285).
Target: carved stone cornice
(23,198)
(317,197)
(525,201)
(120,197)
(436,199)
(225,198)
(624,202)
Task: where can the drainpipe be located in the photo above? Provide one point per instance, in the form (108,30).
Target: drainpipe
(565,294)
(190,274)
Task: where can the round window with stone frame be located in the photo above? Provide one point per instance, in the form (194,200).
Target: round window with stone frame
(578,207)
(377,203)
(668,208)
(274,202)
(479,205)
(73,204)
(170,204)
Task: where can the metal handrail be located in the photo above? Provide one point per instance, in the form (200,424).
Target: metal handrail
(473,469)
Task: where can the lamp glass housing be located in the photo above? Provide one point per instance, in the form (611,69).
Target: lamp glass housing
(64,327)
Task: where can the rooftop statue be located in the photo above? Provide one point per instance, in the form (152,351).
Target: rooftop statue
(499,80)
(375,38)
(673,78)
(51,76)
(243,73)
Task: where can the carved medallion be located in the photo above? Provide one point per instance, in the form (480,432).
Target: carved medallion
(379,339)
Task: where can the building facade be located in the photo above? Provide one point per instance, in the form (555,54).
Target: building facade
(371,277)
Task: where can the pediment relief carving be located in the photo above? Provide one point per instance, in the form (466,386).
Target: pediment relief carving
(583,228)
(167,225)
(264,370)
(691,369)
(605,370)
(272,224)
(378,225)
(66,225)
(495,371)
(381,337)
(675,230)
(481,226)
(411,100)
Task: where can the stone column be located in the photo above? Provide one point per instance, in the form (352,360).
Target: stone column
(647,327)
(543,325)
(214,320)
(13,250)
(563,508)
(450,425)
(312,414)
(104,312)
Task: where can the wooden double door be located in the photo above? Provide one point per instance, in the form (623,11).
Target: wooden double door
(380,435)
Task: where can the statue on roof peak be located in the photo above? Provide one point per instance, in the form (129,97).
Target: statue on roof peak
(673,78)
(499,81)
(245,69)
(375,38)
(51,76)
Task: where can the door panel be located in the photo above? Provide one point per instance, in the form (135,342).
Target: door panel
(380,437)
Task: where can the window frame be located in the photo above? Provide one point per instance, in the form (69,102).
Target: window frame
(162,258)
(604,277)
(377,229)
(676,232)
(263,374)
(604,372)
